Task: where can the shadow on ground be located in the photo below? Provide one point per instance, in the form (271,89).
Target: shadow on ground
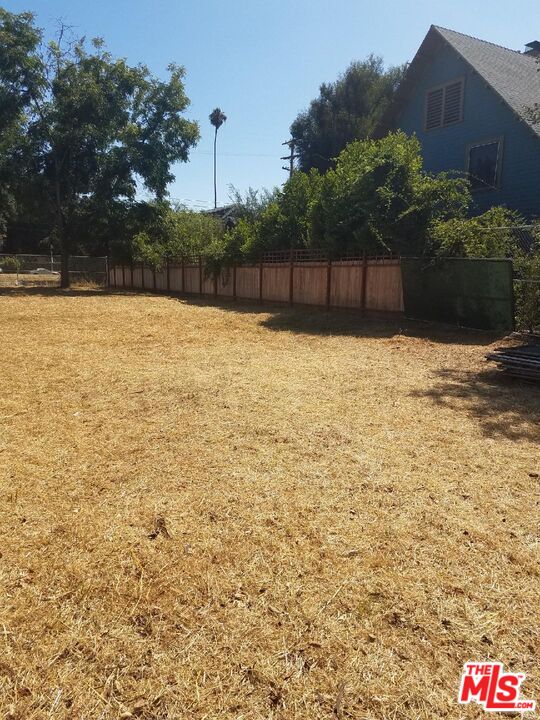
(348,323)
(55,291)
(503,406)
(299,319)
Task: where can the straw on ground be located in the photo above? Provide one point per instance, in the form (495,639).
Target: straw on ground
(241,513)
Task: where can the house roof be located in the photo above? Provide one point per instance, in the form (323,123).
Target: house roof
(514,76)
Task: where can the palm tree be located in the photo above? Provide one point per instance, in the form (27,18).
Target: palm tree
(217,118)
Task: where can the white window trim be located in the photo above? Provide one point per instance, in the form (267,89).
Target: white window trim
(498,169)
(443,87)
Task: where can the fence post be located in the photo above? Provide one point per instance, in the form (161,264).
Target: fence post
(154,279)
(215,283)
(364,282)
(183,275)
(328,283)
(114,276)
(291,279)
(142,275)
(513,286)
(168,276)
(123,276)
(261,281)
(107,269)
(200,275)
(132,280)
(234,281)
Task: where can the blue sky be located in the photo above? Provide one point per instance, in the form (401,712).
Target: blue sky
(262,61)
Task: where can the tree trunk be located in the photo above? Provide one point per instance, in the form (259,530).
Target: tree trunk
(64,244)
(215,185)
(64,265)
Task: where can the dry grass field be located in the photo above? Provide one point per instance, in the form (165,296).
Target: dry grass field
(28,280)
(218,512)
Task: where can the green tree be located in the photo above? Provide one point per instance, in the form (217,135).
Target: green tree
(11,265)
(217,118)
(252,203)
(283,222)
(345,110)
(20,80)
(379,199)
(158,232)
(93,127)
(489,235)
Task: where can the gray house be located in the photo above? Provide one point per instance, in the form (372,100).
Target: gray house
(466,100)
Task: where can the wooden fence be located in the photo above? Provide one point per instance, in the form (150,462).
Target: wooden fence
(372,284)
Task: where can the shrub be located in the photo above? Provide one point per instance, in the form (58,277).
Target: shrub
(10,264)
(527,287)
(489,235)
(527,293)
(157,231)
(379,199)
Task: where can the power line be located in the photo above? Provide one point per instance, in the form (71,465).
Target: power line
(226,154)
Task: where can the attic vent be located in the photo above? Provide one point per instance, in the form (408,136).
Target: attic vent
(434,107)
(444,105)
(452,103)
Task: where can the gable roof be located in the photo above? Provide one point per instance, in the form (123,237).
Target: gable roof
(514,76)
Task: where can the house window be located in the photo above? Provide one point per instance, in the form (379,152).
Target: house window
(444,105)
(484,164)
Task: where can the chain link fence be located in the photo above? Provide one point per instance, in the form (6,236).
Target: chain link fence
(44,270)
(512,241)
(524,242)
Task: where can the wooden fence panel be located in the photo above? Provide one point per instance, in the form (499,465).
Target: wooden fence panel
(175,278)
(225,282)
(310,283)
(346,287)
(247,282)
(191,278)
(148,279)
(384,289)
(208,283)
(137,277)
(276,282)
(161,279)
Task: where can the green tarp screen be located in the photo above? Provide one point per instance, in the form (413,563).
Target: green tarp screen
(468,292)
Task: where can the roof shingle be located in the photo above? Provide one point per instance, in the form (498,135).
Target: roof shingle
(513,75)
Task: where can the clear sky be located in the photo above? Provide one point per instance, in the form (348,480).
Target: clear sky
(262,61)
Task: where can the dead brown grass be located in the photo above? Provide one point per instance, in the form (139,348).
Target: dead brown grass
(219,514)
(28,280)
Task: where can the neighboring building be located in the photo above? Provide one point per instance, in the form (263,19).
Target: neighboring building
(228,214)
(466,100)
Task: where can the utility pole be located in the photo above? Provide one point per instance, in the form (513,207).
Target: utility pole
(291,157)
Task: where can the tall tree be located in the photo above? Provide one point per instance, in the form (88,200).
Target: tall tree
(217,118)
(20,80)
(91,126)
(346,110)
